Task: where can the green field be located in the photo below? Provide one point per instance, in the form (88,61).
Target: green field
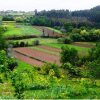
(14,29)
(82,50)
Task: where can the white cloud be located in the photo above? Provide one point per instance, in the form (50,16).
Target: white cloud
(47,4)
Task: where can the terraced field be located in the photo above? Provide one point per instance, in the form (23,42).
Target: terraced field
(81,49)
(84,44)
(36,57)
(27,59)
(49,31)
(14,29)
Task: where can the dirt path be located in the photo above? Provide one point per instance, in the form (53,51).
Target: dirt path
(39,55)
(27,59)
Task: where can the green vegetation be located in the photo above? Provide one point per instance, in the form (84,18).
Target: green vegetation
(76,77)
(82,50)
(11,29)
(55,30)
(47,82)
(41,40)
(14,29)
(29,30)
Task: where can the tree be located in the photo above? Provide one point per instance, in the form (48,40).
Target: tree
(94,64)
(68,27)
(19,19)
(69,55)
(8,18)
(94,69)
(94,53)
(2,40)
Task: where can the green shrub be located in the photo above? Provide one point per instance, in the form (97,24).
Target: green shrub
(27,79)
(69,55)
(12,63)
(94,68)
(22,44)
(16,44)
(36,42)
(46,69)
(72,70)
(66,40)
(94,53)
(77,37)
(1,78)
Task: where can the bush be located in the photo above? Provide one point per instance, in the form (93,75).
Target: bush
(94,64)
(77,37)
(1,78)
(22,44)
(12,64)
(66,40)
(36,42)
(6,64)
(27,79)
(69,55)
(8,18)
(60,40)
(16,44)
(72,70)
(94,53)
(94,69)
(48,68)
(2,39)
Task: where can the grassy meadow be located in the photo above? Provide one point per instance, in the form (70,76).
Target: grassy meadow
(14,29)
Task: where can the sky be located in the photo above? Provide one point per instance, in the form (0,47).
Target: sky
(31,5)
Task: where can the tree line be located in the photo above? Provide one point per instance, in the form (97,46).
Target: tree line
(60,17)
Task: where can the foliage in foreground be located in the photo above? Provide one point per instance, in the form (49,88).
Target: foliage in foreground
(51,81)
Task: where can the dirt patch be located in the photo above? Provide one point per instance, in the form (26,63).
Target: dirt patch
(48,32)
(39,55)
(27,59)
(88,45)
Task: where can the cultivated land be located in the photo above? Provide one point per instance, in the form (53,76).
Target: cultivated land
(49,53)
(32,62)
(82,50)
(48,46)
(38,55)
(40,62)
(27,59)
(14,29)
(49,31)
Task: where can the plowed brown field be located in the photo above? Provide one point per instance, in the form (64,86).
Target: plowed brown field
(38,55)
(48,32)
(27,59)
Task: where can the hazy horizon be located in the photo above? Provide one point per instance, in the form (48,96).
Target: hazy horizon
(31,5)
